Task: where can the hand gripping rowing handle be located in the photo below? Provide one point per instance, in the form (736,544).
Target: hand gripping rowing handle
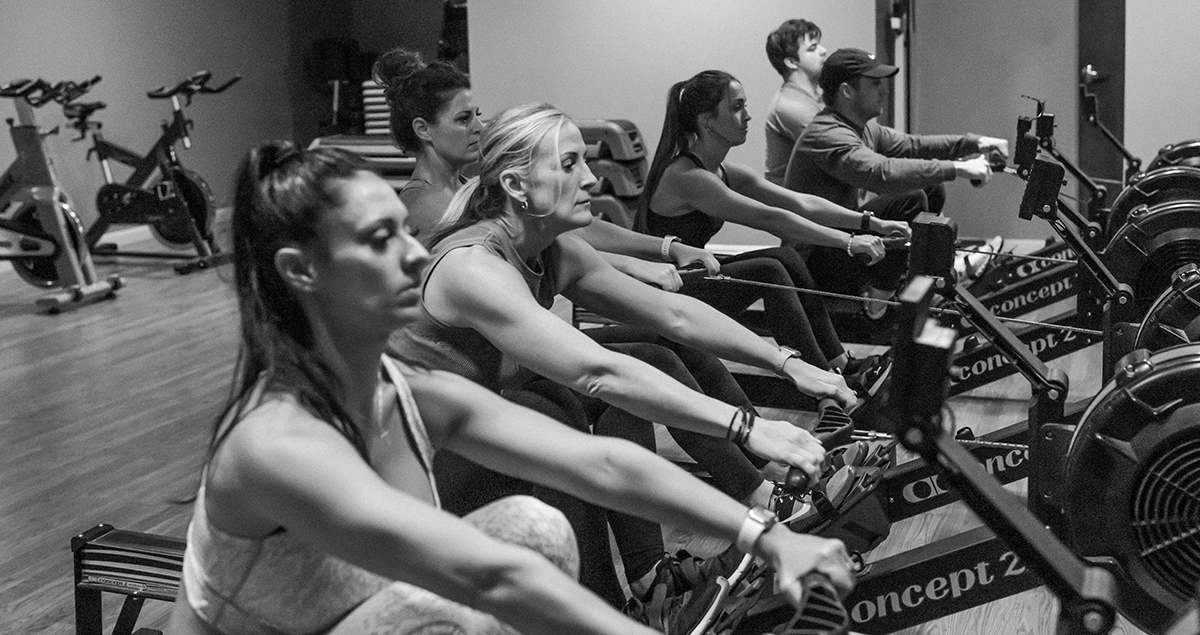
(834,428)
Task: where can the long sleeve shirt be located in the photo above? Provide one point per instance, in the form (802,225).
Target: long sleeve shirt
(843,163)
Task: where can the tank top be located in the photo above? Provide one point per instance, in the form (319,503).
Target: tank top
(427,341)
(694,228)
(278,584)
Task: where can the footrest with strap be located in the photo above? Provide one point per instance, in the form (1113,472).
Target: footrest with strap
(138,565)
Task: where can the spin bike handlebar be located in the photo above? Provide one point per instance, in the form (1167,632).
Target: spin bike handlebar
(36,92)
(197,83)
(68,91)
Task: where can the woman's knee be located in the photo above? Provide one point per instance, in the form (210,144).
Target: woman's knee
(531,523)
(405,609)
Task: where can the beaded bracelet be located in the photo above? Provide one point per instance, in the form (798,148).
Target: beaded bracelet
(849,242)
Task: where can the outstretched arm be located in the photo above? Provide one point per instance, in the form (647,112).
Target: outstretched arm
(810,206)
(609,472)
(689,321)
(607,237)
(298,473)
(660,274)
(474,289)
(694,188)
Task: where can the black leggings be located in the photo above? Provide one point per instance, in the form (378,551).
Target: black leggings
(795,319)
(837,271)
(464,486)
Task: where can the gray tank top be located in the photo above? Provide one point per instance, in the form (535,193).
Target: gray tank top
(278,584)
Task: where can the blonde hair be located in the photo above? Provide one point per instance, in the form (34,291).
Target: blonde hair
(508,142)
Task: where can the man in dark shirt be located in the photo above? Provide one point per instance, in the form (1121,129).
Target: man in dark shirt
(846,156)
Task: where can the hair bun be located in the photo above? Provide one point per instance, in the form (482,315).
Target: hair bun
(396,66)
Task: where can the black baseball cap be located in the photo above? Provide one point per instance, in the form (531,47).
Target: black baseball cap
(844,65)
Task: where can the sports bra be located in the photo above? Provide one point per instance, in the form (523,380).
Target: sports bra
(694,228)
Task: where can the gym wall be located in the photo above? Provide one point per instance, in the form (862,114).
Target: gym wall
(138,46)
(971,62)
(1162,82)
(615,59)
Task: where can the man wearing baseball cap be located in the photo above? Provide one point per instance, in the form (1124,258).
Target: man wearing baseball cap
(846,156)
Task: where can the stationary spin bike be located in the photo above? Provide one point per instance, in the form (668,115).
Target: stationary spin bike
(39,231)
(174,202)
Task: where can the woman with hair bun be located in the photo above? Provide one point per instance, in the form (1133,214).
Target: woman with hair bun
(434,118)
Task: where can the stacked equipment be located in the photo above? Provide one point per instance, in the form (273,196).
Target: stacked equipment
(376,145)
(617,156)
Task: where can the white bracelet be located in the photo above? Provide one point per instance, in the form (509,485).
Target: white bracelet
(665,249)
(849,242)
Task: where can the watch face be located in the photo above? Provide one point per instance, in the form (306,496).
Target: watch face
(763,515)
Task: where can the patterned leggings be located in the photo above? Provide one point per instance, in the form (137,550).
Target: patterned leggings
(404,609)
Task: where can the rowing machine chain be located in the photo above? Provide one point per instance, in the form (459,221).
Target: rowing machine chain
(941,311)
(968,443)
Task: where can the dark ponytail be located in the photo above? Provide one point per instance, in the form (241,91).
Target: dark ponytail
(280,196)
(686,101)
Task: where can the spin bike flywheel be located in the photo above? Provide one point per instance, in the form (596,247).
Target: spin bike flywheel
(1131,492)
(42,271)
(1174,318)
(191,190)
(1154,242)
(1170,183)
(1182,153)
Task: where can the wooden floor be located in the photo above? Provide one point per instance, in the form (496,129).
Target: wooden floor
(106,411)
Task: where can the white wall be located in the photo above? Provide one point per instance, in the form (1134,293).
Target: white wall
(137,46)
(1162,75)
(615,59)
(971,64)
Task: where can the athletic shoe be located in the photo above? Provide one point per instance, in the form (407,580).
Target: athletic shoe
(977,262)
(684,587)
(870,375)
(855,365)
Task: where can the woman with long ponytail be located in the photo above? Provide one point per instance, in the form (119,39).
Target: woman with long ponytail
(692,191)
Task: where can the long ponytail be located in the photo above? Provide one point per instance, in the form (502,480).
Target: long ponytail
(686,101)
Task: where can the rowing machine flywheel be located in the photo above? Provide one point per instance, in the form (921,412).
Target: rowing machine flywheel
(1174,318)
(1151,188)
(1182,153)
(1153,243)
(1131,495)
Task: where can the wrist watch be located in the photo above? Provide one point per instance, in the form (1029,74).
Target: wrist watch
(791,352)
(665,247)
(758,520)
(865,225)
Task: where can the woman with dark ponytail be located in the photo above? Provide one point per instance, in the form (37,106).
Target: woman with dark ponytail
(317,510)
(692,190)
